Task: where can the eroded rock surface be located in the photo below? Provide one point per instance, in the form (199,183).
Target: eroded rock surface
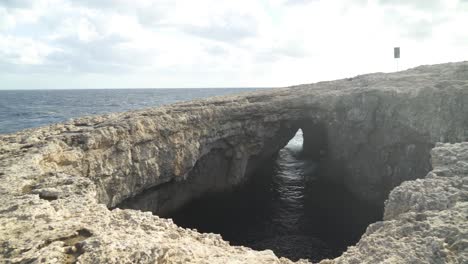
(426,220)
(57,182)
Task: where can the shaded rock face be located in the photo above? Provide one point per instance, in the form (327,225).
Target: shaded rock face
(425,219)
(226,164)
(376,129)
(369,132)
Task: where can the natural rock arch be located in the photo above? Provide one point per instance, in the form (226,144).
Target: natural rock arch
(379,128)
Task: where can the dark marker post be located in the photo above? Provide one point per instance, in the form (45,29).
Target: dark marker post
(396,55)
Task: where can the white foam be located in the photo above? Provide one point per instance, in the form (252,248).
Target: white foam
(295,144)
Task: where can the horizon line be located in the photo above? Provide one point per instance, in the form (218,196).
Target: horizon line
(134,88)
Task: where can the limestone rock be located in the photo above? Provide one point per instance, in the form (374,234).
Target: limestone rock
(58,182)
(425,220)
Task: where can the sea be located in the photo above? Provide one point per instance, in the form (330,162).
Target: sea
(285,207)
(20,109)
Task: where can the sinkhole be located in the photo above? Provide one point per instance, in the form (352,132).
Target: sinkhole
(286,206)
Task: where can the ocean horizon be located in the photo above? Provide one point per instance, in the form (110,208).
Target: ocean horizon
(133,88)
(21,109)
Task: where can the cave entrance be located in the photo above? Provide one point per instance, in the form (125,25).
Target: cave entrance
(286,206)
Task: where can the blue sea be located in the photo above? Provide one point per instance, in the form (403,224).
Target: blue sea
(20,109)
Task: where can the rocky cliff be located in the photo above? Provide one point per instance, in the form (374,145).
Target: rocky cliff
(58,183)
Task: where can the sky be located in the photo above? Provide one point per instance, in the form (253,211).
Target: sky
(61,44)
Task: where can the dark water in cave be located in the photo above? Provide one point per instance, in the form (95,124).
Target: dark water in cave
(285,207)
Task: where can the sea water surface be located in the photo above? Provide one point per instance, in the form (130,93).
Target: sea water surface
(20,109)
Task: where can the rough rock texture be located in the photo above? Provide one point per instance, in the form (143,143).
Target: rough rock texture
(426,220)
(57,182)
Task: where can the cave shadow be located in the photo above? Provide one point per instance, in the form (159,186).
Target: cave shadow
(332,212)
(287,205)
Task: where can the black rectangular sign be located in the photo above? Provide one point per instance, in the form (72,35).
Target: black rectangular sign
(396,52)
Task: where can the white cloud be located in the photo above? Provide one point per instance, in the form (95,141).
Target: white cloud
(23,51)
(185,43)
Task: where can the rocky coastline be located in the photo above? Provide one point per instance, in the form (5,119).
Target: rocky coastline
(400,137)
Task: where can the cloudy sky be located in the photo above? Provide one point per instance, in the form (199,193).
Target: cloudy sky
(215,43)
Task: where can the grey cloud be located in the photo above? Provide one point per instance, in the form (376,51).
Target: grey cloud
(17,3)
(98,4)
(276,53)
(418,30)
(101,55)
(9,67)
(105,54)
(460,41)
(292,51)
(74,56)
(345,6)
(154,14)
(409,27)
(232,29)
(416,4)
(150,17)
(8,59)
(148,14)
(266,57)
(216,50)
(299,2)
(221,33)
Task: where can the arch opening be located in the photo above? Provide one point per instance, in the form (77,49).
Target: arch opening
(286,205)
